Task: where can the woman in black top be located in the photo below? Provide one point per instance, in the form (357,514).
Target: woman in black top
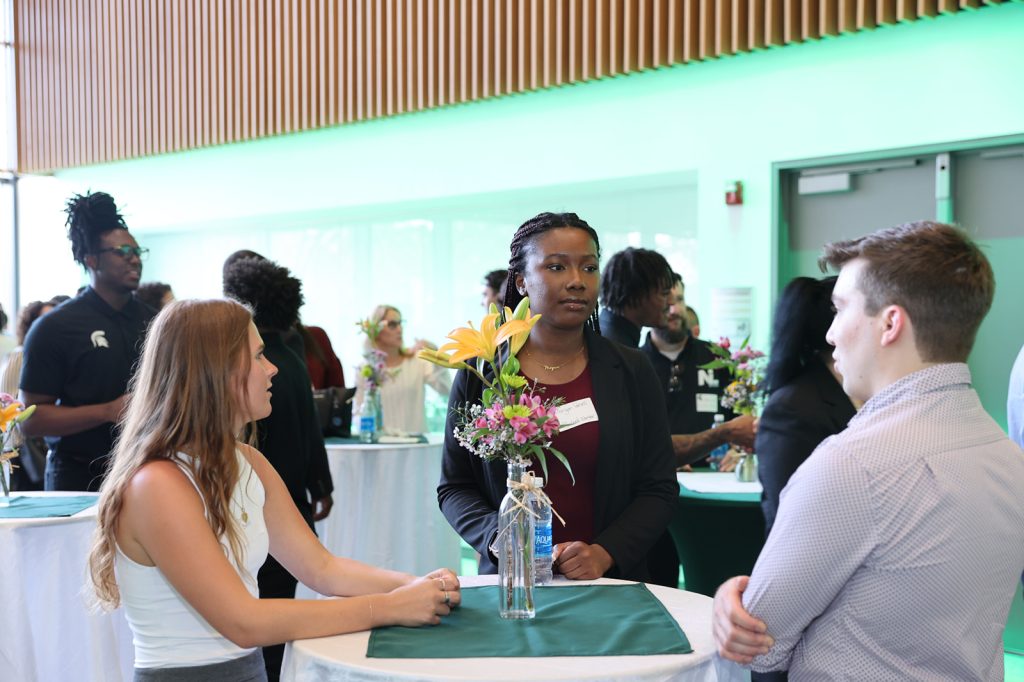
(807,403)
(620,452)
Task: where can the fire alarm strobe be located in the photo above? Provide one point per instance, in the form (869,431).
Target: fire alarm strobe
(734,193)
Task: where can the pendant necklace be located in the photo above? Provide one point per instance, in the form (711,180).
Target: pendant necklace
(555,368)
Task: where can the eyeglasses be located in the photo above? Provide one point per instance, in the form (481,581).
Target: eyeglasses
(391,324)
(126,252)
(675,381)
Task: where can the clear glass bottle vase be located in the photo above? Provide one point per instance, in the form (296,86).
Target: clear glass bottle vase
(515,550)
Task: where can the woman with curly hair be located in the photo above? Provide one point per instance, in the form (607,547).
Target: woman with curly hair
(187,515)
(290,436)
(403,391)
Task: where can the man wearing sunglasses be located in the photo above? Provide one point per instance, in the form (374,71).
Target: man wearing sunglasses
(80,357)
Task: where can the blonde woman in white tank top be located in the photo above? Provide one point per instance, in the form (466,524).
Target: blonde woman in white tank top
(188,515)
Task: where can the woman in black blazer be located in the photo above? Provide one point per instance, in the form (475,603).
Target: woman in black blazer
(621,453)
(807,403)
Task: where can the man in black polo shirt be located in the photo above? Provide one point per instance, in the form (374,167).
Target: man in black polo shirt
(79,358)
(692,395)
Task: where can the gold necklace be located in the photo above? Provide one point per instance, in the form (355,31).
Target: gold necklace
(555,368)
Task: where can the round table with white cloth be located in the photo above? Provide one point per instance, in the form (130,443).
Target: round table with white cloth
(333,659)
(385,508)
(47,631)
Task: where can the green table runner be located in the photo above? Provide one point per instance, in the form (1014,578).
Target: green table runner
(42,507)
(588,620)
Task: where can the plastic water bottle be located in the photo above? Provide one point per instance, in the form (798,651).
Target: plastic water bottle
(368,419)
(718,454)
(542,546)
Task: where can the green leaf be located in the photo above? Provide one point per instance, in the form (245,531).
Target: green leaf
(715,364)
(511,366)
(488,396)
(561,458)
(539,454)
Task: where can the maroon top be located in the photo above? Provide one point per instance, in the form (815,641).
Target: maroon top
(579,445)
(323,374)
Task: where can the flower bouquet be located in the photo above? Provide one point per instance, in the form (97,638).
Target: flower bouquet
(11,412)
(744,395)
(746,366)
(374,373)
(512,423)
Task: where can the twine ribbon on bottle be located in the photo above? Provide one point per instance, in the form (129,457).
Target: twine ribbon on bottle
(527,485)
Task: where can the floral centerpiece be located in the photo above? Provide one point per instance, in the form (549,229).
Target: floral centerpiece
(744,395)
(512,423)
(11,412)
(374,373)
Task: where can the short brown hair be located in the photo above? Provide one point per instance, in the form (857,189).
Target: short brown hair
(934,271)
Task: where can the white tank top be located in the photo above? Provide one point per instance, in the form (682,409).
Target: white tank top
(166,631)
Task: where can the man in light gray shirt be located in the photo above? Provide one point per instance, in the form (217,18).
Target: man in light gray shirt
(899,543)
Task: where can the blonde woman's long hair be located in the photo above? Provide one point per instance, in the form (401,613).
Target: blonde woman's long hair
(377,317)
(185,397)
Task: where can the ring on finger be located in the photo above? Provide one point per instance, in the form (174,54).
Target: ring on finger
(443,586)
(447,599)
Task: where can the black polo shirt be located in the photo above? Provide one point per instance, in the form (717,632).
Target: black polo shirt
(692,408)
(84,353)
(619,329)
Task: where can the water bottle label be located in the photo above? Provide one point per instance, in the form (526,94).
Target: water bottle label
(367,424)
(542,540)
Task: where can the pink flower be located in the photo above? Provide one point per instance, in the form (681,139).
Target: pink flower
(524,429)
(724,342)
(494,414)
(481,422)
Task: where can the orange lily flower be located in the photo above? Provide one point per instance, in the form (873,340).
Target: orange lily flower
(469,342)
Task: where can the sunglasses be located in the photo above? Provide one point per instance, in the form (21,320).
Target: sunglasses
(391,324)
(127,252)
(675,382)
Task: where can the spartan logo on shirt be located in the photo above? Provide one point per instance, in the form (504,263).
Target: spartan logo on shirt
(99,339)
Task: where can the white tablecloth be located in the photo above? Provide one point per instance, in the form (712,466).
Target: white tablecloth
(331,659)
(46,630)
(385,509)
(716,482)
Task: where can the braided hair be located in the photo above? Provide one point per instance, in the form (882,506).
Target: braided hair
(90,216)
(521,241)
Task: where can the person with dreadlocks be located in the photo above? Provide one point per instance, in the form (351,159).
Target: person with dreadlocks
(636,288)
(619,447)
(79,358)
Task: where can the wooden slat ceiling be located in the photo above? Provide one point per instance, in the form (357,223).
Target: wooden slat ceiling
(102,80)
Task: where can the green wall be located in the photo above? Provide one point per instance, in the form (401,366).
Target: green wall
(948,79)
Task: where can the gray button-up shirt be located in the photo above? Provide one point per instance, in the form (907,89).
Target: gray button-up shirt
(899,543)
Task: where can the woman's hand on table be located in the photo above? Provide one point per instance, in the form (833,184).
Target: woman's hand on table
(739,636)
(579,561)
(423,601)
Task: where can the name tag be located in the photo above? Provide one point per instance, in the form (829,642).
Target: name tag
(571,415)
(707,402)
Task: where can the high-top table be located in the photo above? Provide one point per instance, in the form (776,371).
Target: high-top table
(718,528)
(385,507)
(47,631)
(343,657)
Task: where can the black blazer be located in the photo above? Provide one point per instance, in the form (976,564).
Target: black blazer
(795,420)
(635,491)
